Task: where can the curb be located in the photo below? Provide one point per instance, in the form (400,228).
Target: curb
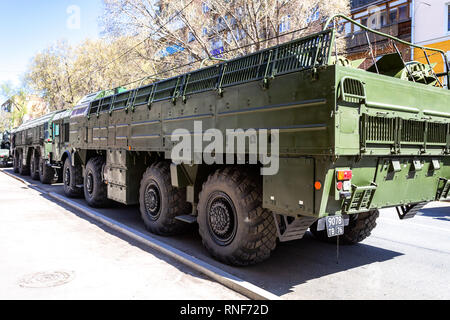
(228,280)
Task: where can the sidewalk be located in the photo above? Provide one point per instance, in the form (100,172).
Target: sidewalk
(43,244)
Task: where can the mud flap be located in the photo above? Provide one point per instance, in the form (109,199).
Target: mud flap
(291,191)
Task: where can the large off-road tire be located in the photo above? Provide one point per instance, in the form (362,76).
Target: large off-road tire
(359,228)
(95,189)
(23,169)
(46,173)
(233,225)
(72,176)
(160,202)
(16,163)
(34,167)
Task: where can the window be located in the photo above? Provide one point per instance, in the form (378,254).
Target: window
(364,21)
(158,10)
(241,34)
(221,24)
(56,130)
(403,13)
(393,16)
(205,7)
(239,12)
(448,17)
(191,37)
(66,132)
(230,38)
(205,31)
(357,28)
(216,44)
(348,28)
(383,19)
(46,135)
(285,24)
(217,48)
(314,15)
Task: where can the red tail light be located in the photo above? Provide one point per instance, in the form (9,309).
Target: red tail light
(343,175)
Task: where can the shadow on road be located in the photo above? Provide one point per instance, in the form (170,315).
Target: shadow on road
(292,263)
(440,213)
(297,262)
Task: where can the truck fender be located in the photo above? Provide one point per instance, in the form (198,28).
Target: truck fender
(66,155)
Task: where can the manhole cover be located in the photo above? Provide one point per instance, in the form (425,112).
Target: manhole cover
(46,279)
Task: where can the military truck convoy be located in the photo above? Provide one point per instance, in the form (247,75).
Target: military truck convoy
(351,142)
(37,146)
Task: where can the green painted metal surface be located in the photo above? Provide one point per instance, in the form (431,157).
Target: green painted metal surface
(329,115)
(42,136)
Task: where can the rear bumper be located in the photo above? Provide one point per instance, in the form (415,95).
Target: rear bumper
(381,182)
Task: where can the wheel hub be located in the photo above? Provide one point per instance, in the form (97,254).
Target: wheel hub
(222,218)
(152,201)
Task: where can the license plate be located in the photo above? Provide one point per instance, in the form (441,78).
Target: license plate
(335,226)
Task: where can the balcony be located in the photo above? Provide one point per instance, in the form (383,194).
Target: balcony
(358,40)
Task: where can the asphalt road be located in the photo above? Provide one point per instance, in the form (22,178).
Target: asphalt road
(48,251)
(401,260)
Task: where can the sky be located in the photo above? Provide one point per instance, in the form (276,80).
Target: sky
(29,26)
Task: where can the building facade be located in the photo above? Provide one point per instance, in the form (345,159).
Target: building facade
(431,28)
(225,29)
(31,107)
(393,17)
(7,106)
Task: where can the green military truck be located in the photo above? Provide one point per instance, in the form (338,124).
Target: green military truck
(347,141)
(39,145)
(5,153)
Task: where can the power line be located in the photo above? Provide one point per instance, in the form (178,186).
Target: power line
(225,52)
(137,45)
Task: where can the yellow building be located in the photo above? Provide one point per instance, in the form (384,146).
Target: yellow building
(431,28)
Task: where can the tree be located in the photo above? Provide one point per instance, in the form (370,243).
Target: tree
(49,74)
(196,29)
(17,99)
(5,121)
(63,74)
(147,37)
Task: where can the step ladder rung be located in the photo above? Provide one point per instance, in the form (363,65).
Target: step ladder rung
(190,219)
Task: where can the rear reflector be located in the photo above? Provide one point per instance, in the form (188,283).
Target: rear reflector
(344,175)
(318,185)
